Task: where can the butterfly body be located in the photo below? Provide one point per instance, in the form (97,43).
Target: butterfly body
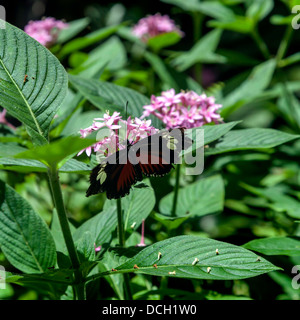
(153,156)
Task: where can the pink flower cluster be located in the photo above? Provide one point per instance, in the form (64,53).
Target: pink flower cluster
(154,25)
(45,31)
(114,132)
(185,109)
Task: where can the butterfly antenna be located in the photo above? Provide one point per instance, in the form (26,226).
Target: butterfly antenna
(126,110)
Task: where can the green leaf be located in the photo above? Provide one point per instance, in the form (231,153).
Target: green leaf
(205,196)
(25,238)
(259,9)
(90,39)
(239,24)
(74,27)
(212,133)
(105,95)
(258,80)
(101,227)
(179,253)
(164,40)
(275,246)
(57,233)
(85,247)
(104,224)
(210,8)
(133,206)
(55,152)
(24,165)
(35,100)
(52,283)
(280,202)
(170,222)
(111,54)
(202,51)
(254,138)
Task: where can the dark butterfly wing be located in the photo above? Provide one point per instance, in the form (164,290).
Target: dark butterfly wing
(158,153)
(156,156)
(115,176)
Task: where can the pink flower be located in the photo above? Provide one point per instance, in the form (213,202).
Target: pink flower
(185,109)
(142,243)
(154,25)
(114,132)
(97,249)
(4,120)
(45,31)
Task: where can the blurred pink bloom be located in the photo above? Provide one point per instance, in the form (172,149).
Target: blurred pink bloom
(4,120)
(185,109)
(97,249)
(154,25)
(115,133)
(142,243)
(45,31)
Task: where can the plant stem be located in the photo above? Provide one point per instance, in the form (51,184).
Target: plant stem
(121,237)
(176,188)
(64,223)
(197,20)
(260,43)
(284,43)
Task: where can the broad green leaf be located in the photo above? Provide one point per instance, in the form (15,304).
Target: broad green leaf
(254,138)
(56,151)
(161,70)
(80,120)
(294,58)
(10,149)
(85,247)
(163,40)
(116,281)
(239,24)
(258,80)
(57,233)
(279,201)
(75,166)
(74,27)
(259,9)
(170,222)
(178,256)
(133,206)
(25,238)
(212,133)
(205,196)
(111,54)
(202,51)
(90,39)
(33,83)
(212,9)
(275,246)
(105,95)
(52,283)
(101,226)
(281,20)
(24,165)
(289,105)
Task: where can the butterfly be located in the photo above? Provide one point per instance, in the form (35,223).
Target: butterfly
(152,156)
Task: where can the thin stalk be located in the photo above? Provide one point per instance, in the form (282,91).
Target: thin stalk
(260,43)
(284,43)
(121,237)
(176,188)
(64,223)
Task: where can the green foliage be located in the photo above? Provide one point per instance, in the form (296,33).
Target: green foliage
(58,244)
